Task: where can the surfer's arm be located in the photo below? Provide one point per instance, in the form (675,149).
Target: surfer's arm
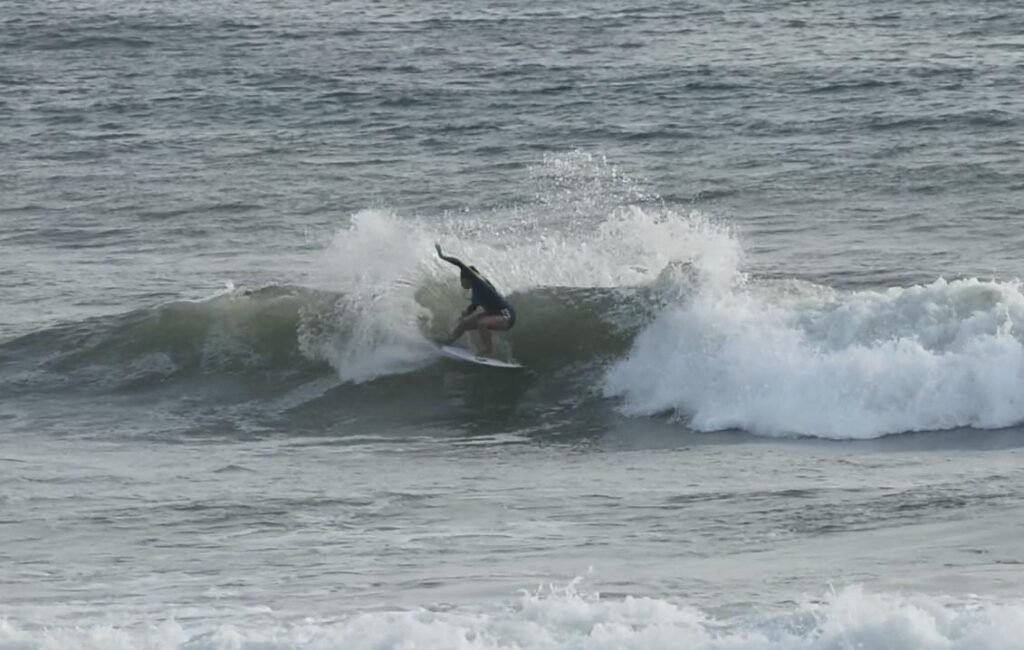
(451,260)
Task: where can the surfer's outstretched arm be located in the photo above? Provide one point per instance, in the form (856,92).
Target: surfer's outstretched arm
(451,260)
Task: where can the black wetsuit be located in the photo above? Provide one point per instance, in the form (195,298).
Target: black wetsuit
(484,294)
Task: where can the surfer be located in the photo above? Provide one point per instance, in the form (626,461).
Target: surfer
(488,310)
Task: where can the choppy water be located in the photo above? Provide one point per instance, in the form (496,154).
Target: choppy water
(765,258)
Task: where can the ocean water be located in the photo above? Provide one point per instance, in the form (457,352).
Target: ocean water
(766,263)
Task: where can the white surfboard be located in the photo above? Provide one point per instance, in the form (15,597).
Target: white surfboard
(462,354)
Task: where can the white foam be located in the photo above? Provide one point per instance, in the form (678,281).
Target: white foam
(375,326)
(796,359)
(557,619)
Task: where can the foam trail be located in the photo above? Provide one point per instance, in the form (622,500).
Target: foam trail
(564,618)
(802,360)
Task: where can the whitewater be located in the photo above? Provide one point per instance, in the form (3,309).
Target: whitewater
(564,618)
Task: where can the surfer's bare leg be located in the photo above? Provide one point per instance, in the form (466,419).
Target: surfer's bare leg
(486,323)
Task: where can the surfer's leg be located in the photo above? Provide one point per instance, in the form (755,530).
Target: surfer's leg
(485,324)
(486,347)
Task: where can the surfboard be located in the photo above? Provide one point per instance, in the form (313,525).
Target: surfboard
(462,354)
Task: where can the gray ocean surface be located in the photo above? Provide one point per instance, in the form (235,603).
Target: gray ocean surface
(765,258)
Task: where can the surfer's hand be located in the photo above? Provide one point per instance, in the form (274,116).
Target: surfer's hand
(438,248)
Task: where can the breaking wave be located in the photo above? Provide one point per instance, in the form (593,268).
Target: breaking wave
(554,619)
(791,358)
(644,305)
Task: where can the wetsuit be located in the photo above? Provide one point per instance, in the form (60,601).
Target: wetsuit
(484,294)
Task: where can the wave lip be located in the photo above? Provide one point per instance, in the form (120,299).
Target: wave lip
(790,359)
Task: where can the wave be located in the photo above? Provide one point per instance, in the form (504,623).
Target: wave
(288,330)
(555,618)
(620,299)
(770,357)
